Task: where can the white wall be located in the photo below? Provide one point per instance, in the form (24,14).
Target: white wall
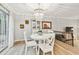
(11,30)
(59,24)
(19,33)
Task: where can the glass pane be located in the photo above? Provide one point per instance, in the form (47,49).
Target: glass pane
(3,30)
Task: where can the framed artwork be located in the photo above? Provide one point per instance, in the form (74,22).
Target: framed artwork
(38,24)
(21,26)
(46,25)
(26,21)
(34,24)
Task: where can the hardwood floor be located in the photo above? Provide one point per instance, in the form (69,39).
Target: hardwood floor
(76,43)
(65,49)
(17,50)
(60,48)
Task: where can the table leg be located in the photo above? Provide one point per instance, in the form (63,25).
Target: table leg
(37,48)
(44,41)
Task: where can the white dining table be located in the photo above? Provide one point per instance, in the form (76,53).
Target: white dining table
(44,37)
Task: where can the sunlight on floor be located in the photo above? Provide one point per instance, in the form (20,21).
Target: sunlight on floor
(76,43)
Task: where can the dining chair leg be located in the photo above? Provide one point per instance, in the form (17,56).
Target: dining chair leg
(43,42)
(36,50)
(25,50)
(52,52)
(43,53)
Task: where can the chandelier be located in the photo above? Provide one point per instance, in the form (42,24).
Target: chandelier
(39,9)
(39,12)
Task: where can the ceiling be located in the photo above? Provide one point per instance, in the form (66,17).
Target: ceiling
(51,9)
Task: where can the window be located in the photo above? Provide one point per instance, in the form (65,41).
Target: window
(4,29)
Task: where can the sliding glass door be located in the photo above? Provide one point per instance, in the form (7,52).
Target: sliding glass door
(4,30)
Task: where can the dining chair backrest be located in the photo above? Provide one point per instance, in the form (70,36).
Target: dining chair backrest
(51,41)
(25,37)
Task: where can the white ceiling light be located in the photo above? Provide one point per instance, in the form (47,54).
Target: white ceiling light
(39,12)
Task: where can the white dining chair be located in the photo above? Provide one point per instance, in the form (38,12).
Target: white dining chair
(29,43)
(48,47)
